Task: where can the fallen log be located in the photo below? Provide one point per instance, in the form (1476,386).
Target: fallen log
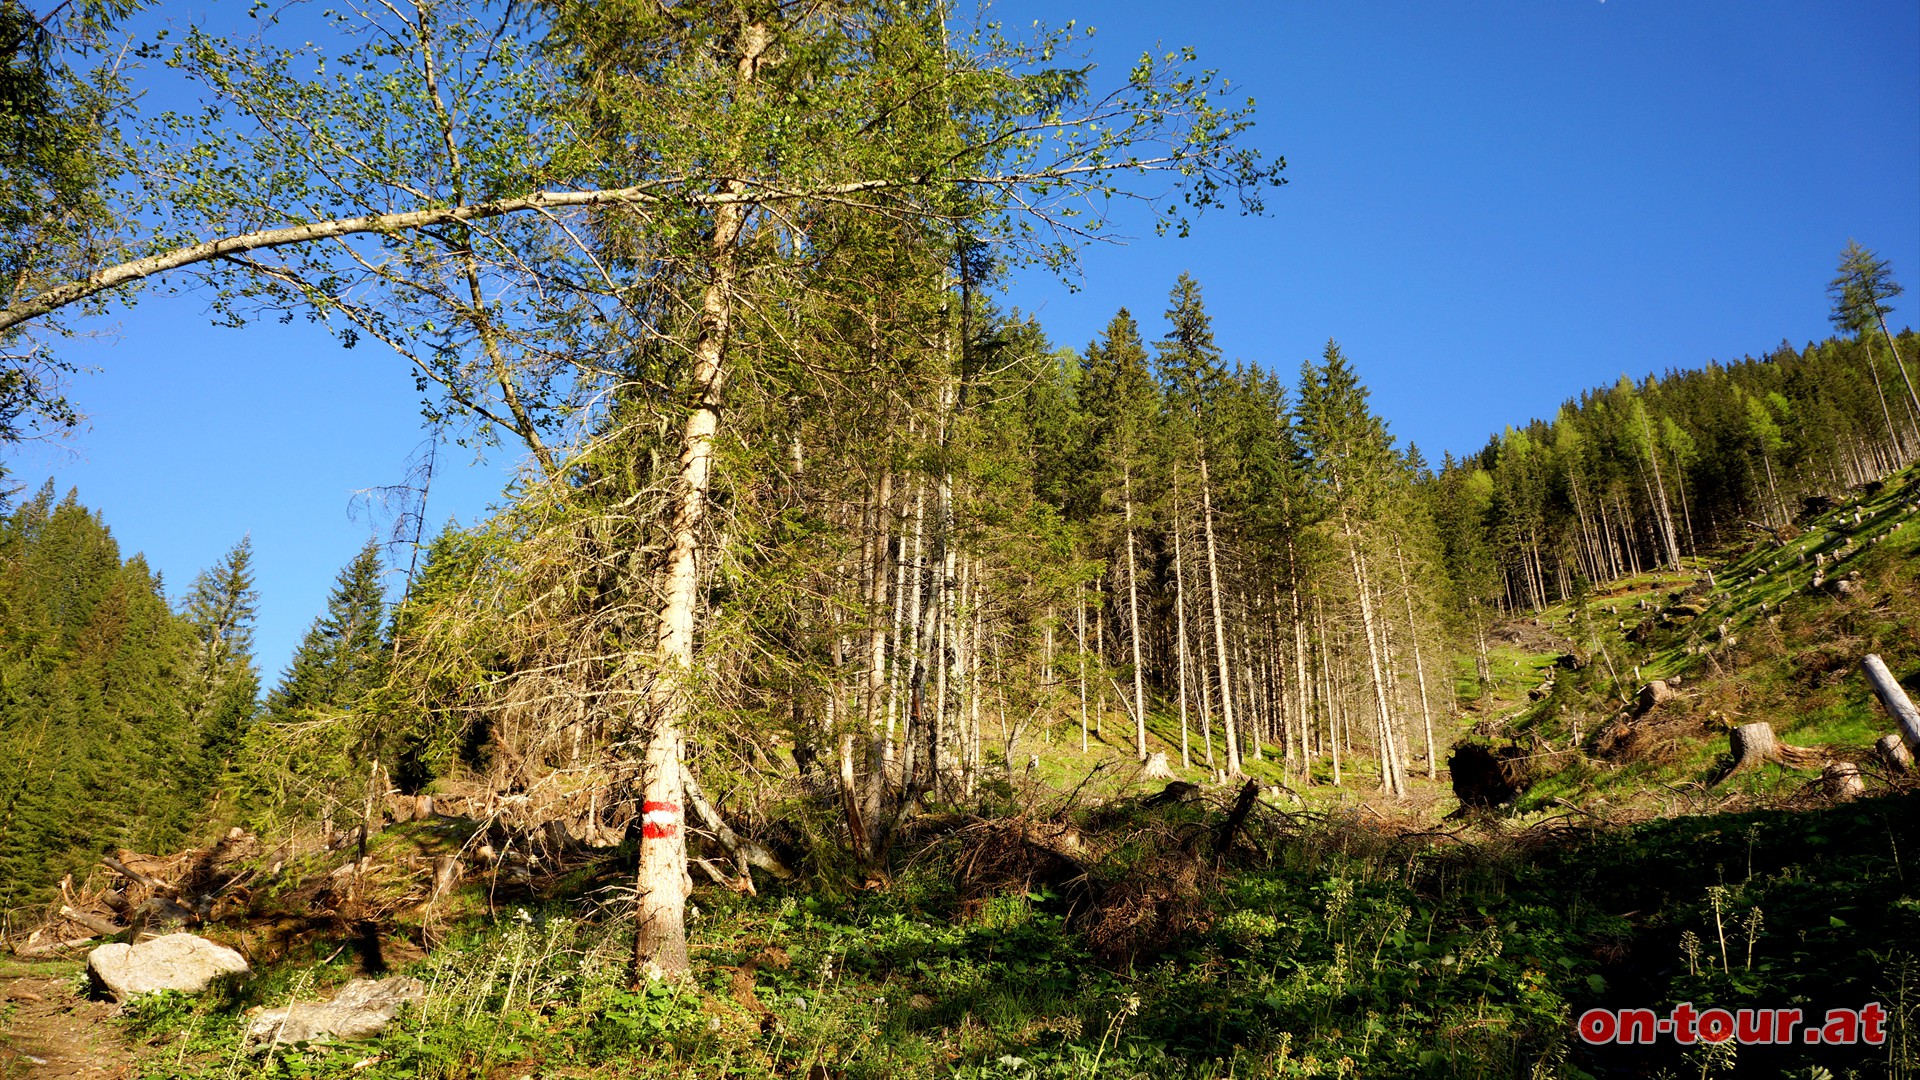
(52,947)
(95,923)
(1894,698)
(164,888)
(745,851)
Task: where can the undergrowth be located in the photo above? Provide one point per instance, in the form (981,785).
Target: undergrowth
(1329,946)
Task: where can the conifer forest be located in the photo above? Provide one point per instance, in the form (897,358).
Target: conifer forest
(856,679)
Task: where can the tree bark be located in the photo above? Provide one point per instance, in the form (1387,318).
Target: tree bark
(1219,623)
(1894,699)
(1133,617)
(662,883)
(1180,621)
(1419,664)
(1390,777)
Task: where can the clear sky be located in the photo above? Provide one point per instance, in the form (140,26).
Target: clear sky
(1491,206)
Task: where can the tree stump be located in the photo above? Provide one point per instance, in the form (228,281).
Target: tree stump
(1893,753)
(1842,780)
(1156,767)
(1753,744)
(1652,694)
(446,874)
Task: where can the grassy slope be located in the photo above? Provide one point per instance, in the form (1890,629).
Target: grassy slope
(1767,647)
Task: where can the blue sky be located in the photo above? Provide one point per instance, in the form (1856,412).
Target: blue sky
(1491,206)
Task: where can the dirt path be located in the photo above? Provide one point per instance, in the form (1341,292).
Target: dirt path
(48,1032)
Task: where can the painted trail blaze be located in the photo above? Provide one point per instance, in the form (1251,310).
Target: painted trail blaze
(659,820)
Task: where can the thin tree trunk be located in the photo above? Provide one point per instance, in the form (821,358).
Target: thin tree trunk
(1326,684)
(1219,623)
(1080,619)
(1391,778)
(662,883)
(1419,665)
(1133,618)
(1180,622)
(877,747)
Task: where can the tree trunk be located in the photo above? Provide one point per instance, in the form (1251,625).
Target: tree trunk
(1893,346)
(1419,665)
(1390,777)
(1080,621)
(662,883)
(1219,624)
(881,545)
(1133,618)
(1180,622)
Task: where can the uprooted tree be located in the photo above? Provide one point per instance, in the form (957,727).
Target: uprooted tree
(586,227)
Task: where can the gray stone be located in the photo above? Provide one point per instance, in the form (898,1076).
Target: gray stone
(361,1010)
(182,962)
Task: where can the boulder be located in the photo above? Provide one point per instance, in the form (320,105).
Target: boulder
(361,1010)
(183,962)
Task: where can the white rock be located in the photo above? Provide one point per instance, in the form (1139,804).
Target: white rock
(361,1010)
(182,962)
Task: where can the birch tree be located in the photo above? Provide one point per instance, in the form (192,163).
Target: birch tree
(553,198)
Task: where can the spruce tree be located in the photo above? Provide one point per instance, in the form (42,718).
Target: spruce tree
(309,756)
(223,684)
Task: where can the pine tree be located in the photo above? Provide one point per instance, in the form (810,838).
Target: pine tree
(309,756)
(1120,401)
(344,653)
(223,684)
(1860,293)
(100,754)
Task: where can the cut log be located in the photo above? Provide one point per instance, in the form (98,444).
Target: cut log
(164,888)
(1842,780)
(49,948)
(1894,698)
(1893,753)
(100,926)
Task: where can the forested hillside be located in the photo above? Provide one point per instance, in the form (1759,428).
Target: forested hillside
(119,716)
(1135,545)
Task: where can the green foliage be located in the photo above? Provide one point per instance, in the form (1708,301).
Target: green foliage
(308,756)
(95,677)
